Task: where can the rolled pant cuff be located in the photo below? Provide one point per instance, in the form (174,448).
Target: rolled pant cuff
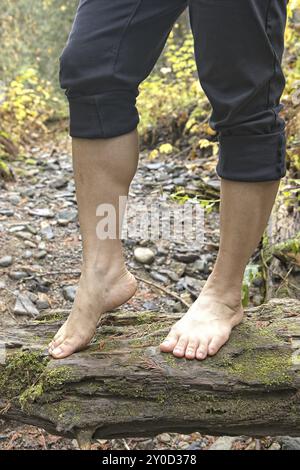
(258,157)
(103,116)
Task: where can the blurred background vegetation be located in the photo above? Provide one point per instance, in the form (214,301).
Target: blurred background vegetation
(171,101)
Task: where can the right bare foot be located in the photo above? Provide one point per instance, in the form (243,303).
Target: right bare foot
(98,292)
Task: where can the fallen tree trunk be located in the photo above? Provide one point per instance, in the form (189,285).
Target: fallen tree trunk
(123,386)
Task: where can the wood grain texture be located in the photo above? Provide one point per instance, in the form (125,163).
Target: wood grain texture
(123,386)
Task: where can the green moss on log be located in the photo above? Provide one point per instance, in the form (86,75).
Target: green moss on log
(25,377)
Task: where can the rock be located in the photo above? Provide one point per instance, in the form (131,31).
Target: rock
(42,212)
(27,254)
(7,212)
(66,216)
(41,254)
(14,199)
(30,244)
(24,306)
(179,180)
(289,443)
(144,255)
(17,228)
(42,302)
(17,275)
(178,267)
(182,445)
(59,183)
(161,251)
(28,192)
(24,235)
(173,276)
(199,266)
(46,230)
(69,293)
(158,277)
(6,261)
(2,285)
(223,443)
(154,165)
(275,446)
(165,437)
(148,305)
(186,257)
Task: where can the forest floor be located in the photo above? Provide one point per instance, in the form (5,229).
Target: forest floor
(40,257)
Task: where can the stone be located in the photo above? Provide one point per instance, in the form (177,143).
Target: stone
(17,275)
(275,446)
(24,306)
(186,257)
(158,277)
(69,293)
(289,443)
(24,235)
(7,212)
(14,199)
(6,261)
(41,254)
(165,437)
(27,254)
(42,212)
(42,302)
(148,305)
(59,183)
(223,443)
(144,255)
(46,230)
(67,216)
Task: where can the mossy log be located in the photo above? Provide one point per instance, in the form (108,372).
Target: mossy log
(123,386)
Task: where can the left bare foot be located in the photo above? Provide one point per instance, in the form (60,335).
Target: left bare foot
(206,326)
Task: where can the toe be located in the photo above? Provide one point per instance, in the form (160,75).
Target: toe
(170,341)
(56,342)
(216,343)
(191,348)
(180,348)
(65,349)
(201,352)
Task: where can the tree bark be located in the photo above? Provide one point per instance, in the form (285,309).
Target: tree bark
(123,386)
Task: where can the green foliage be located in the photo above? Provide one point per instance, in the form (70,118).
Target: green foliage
(173,86)
(26,103)
(252,272)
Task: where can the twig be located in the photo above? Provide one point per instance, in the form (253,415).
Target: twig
(163,289)
(125,444)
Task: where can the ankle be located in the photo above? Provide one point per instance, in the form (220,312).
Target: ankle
(106,268)
(227,290)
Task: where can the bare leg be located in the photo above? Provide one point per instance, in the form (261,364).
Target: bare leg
(245,209)
(103,171)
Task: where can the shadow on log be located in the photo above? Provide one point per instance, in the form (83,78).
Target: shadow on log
(123,386)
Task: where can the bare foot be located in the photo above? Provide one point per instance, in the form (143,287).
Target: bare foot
(206,326)
(97,293)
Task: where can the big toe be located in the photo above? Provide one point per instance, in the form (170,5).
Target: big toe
(65,349)
(56,342)
(169,343)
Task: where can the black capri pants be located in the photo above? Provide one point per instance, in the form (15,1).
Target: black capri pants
(114,44)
